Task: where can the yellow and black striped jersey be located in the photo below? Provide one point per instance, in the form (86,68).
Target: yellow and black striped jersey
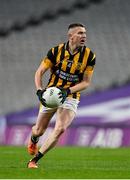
(67,69)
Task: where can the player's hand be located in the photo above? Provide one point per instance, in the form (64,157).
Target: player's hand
(40,96)
(64,93)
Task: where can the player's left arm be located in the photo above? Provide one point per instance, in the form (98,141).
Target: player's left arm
(85,83)
(87,76)
(78,87)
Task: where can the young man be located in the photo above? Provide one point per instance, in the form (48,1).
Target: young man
(71,66)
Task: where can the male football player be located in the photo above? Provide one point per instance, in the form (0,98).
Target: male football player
(71,64)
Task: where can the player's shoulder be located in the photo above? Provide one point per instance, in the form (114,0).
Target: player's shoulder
(54,50)
(58,46)
(90,51)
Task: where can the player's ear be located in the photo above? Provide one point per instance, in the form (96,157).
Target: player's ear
(69,34)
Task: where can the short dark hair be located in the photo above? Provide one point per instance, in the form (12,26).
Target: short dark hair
(73,25)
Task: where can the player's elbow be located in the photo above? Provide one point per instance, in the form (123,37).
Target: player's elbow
(86,84)
(38,74)
(40,71)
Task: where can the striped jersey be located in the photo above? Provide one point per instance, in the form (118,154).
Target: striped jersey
(67,69)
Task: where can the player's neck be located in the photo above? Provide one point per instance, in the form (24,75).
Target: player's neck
(73,48)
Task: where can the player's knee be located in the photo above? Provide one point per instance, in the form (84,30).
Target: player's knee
(59,130)
(37,131)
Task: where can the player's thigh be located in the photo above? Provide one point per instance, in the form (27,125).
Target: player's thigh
(43,120)
(64,117)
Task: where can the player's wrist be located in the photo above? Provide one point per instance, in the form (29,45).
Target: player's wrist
(68,90)
(38,92)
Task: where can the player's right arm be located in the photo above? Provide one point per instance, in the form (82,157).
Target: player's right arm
(44,66)
(46,63)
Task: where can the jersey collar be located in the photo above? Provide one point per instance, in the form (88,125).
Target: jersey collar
(80,49)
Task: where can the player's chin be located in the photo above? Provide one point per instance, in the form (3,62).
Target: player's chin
(82,44)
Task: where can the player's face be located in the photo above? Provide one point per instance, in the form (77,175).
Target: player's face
(78,36)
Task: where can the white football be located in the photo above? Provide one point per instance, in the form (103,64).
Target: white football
(52,97)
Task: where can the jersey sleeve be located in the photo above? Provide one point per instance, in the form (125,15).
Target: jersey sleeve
(49,59)
(50,55)
(46,63)
(90,63)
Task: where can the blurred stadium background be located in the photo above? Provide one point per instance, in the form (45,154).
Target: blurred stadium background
(28,28)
